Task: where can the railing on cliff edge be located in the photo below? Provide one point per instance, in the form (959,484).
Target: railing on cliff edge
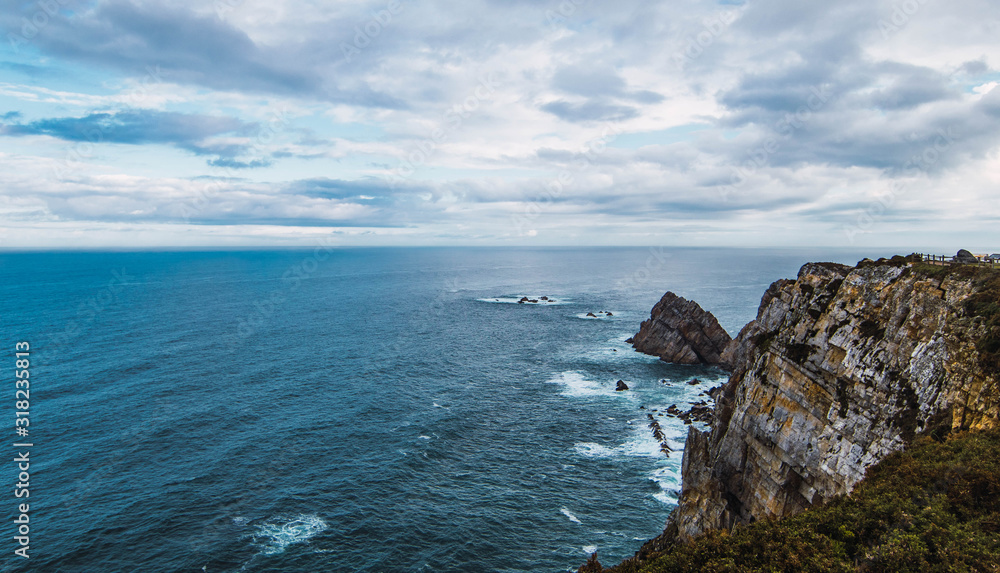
(983,261)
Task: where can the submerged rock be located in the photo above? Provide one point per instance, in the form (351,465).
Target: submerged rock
(680,331)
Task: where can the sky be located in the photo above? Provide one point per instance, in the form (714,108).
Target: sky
(135,123)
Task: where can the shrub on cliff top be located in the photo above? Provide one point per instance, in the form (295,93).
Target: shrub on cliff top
(985,304)
(935,507)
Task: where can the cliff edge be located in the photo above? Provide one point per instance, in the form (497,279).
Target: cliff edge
(841,367)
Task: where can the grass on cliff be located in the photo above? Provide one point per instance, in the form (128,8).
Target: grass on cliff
(984,304)
(935,507)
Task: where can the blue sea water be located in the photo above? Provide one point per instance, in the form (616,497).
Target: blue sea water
(383,410)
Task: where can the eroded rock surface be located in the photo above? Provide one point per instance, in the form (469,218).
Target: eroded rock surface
(840,368)
(680,331)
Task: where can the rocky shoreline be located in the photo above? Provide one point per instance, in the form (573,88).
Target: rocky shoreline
(842,366)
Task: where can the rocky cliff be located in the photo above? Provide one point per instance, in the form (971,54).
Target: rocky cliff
(680,331)
(841,367)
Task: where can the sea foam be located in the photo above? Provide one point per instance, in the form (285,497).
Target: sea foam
(576,385)
(514,299)
(569,515)
(275,535)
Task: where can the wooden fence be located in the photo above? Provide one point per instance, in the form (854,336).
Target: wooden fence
(950,260)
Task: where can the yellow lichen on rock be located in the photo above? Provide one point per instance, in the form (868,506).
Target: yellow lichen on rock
(841,367)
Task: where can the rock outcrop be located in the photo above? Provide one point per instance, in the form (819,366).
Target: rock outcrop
(965,257)
(680,331)
(840,368)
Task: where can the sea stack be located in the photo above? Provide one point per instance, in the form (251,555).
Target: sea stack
(680,331)
(842,367)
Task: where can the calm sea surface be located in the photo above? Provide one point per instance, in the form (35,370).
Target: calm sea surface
(354,410)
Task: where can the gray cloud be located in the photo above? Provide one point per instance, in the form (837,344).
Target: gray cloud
(589,111)
(191,132)
(190,48)
(802,97)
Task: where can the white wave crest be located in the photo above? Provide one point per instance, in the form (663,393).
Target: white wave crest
(552,301)
(275,535)
(571,517)
(575,385)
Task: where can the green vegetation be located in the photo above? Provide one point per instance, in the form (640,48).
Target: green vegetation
(985,304)
(934,507)
(895,261)
(764,340)
(953,271)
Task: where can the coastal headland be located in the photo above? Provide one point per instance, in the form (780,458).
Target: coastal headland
(843,368)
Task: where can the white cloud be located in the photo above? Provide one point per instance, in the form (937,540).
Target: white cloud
(556,90)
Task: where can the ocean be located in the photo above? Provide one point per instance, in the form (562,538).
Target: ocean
(377,410)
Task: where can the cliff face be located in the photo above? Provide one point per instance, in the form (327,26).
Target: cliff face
(680,331)
(840,368)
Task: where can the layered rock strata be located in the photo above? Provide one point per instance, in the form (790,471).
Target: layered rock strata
(680,331)
(840,368)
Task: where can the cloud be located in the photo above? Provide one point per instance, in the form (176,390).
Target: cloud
(803,109)
(192,48)
(191,132)
(599,81)
(590,111)
(236,164)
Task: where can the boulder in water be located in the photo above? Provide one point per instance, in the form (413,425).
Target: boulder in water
(680,331)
